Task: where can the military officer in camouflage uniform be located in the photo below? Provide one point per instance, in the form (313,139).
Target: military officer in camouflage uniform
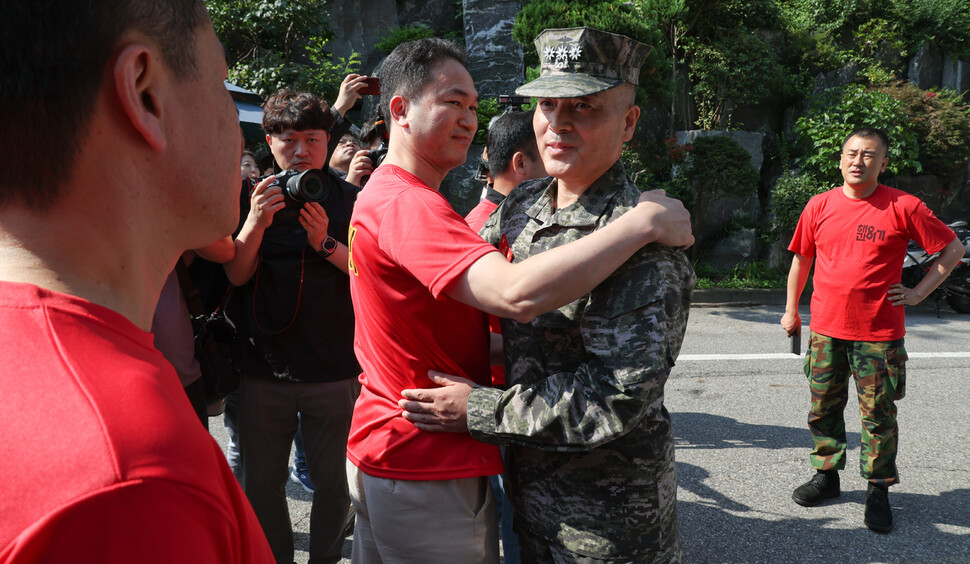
(590,466)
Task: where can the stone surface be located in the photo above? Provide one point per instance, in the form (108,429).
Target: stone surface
(494,58)
(926,67)
(436,14)
(357,26)
(956,74)
(738,247)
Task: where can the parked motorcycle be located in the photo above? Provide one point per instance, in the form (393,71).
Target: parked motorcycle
(956,288)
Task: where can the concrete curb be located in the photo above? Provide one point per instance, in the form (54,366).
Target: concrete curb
(718,297)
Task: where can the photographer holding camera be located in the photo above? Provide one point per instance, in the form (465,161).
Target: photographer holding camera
(291,261)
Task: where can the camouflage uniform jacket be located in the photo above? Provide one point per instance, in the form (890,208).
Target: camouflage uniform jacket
(590,462)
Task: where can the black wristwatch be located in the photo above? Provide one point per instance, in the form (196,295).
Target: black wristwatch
(328,246)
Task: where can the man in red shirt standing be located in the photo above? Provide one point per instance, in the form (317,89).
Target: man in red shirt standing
(857,236)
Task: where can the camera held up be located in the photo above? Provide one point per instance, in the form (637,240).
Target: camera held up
(308,186)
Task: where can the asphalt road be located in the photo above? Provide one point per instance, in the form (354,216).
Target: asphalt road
(739,403)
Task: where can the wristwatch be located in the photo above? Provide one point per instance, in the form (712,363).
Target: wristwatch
(328,246)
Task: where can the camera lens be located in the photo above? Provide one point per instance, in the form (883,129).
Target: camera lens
(312,188)
(309,185)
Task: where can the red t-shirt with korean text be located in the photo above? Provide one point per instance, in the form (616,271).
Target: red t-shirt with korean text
(859,246)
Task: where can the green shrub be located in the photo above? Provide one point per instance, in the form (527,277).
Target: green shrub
(716,167)
(736,70)
(942,124)
(836,112)
(744,275)
(487,109)
(403,34)
(789,197)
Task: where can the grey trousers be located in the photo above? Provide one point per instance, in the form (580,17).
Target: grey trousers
(267,424)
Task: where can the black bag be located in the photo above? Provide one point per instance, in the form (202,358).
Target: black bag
(215,338)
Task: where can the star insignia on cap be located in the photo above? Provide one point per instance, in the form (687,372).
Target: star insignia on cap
(561,55)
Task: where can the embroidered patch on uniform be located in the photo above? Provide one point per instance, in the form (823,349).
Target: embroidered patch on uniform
(505,248)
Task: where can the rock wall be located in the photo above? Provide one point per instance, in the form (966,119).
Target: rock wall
(358,26)
(494,58)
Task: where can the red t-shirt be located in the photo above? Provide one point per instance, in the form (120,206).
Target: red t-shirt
(859,246)
(102,458)
(476,219)
(407,245)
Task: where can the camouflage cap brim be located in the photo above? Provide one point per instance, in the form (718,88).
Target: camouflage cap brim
(566,86)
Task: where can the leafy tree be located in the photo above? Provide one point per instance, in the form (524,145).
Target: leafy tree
(272,44)
(836,112)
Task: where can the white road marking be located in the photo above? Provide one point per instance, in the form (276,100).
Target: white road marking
(778,356)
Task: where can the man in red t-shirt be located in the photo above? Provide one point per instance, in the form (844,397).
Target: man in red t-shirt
(857,235)
(120,148)
(420,278)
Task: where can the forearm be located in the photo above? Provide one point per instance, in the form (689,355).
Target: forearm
(221,251)
(797,278)
(940,268)
(340,258)
(553,278)
(241,268)
(563,412)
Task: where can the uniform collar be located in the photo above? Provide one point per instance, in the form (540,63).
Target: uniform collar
(588,208)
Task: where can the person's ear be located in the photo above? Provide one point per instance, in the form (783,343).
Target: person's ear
(630,122)
(399,110)
(139,80)
(518,164)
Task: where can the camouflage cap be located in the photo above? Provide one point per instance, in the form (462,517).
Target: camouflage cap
(581,61)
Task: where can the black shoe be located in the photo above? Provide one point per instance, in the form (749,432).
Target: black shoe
(879,516)
(823,485)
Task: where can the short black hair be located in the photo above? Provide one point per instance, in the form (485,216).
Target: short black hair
(508,133)
(374,129)
(297,111)
(869,133)
(408,68)
(53,58)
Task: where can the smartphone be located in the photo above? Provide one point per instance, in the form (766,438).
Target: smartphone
(796,343)
(373,86)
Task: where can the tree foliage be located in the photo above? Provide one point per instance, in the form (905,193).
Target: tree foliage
(272,44)
(836,112)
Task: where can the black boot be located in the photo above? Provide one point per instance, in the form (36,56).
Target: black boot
(823,485)
(879,516)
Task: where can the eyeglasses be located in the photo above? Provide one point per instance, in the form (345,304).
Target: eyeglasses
(349,141)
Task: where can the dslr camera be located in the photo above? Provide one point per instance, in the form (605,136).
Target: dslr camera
(377,155)
(308,186)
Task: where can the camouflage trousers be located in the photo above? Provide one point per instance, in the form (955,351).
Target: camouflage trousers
(879,369)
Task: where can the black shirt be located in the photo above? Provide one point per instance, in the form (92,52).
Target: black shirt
(296,309)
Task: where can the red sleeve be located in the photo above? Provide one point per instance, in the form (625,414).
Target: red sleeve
(145,521)
(927,229)
(426,237)
(803,240)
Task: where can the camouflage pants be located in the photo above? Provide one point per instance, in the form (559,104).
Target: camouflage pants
(879,369)
(537,550)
